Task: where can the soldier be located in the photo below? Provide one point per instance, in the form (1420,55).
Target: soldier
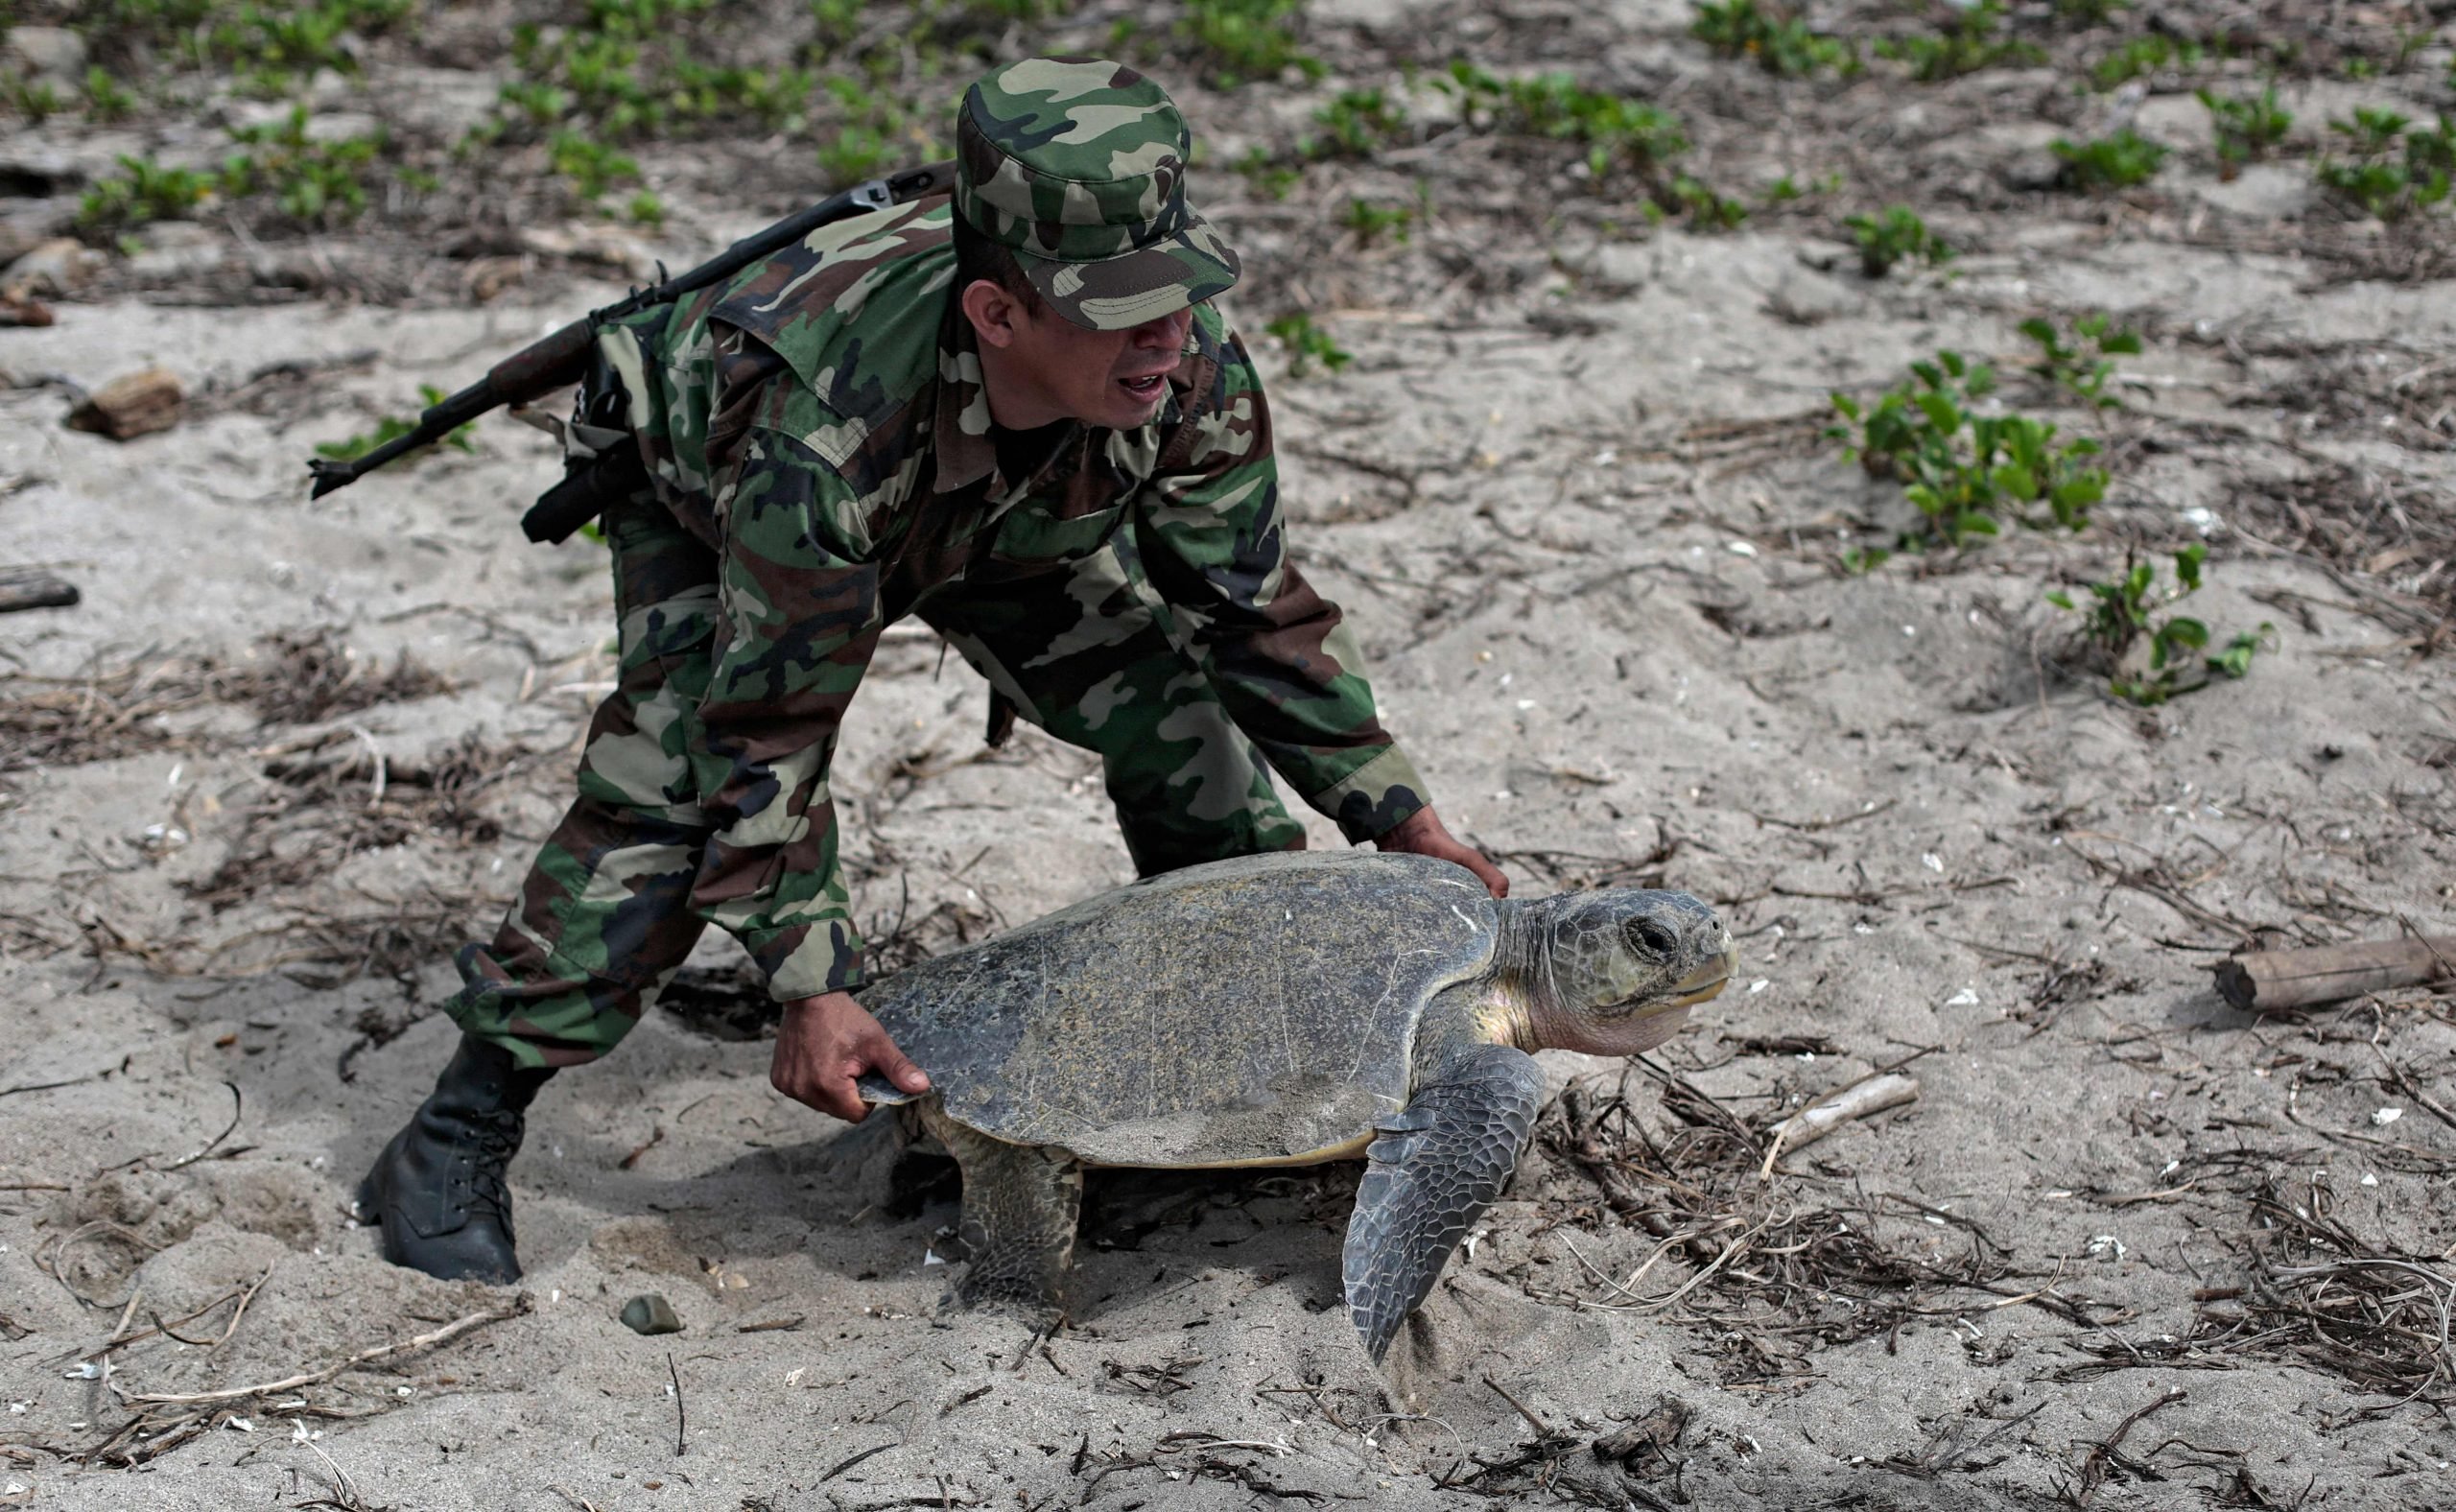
(1014,412)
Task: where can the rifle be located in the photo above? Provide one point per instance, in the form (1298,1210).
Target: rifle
(563,357)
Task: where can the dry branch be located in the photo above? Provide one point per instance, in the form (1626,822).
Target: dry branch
(2269,981)
(1855,1101)
(516,1307)
(33,588)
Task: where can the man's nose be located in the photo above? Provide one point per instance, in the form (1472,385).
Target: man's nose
(1166,333)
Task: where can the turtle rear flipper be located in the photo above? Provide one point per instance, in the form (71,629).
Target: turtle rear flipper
(1433,1170)
(1021,1203)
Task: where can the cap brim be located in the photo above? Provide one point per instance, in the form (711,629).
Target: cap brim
(1124,291)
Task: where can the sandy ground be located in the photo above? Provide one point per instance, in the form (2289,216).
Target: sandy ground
(1572,494)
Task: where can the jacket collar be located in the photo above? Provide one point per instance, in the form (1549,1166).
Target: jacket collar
(965,455)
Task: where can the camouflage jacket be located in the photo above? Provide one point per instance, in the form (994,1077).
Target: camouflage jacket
(821,422)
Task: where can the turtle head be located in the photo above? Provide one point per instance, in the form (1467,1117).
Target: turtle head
(1613,972)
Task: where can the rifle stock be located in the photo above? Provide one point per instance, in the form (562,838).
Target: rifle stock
(561,357)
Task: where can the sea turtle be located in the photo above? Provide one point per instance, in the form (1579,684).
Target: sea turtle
(1278,1010)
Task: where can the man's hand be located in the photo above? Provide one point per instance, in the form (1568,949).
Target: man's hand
(1421,834)
(827,1041)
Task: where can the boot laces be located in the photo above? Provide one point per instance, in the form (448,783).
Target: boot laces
(496,1138)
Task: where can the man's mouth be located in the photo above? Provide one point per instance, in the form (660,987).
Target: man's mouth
(1145,388)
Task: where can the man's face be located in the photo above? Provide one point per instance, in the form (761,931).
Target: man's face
(1116,379)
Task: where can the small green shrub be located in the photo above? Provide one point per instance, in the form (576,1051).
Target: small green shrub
(1781,44)
(1965,471)
(1370,221)
(35,99)
(313,182)
(2108,162)
(1964,41)
(2398,168)
(592,168)
(2081,362)
(1355,124)
(1897,235)
(107,99)
(1306,344)
(1268,177)
(2132,611)
(392,427)
(142,192)
(1706,209)
(2144,54)
(1242,40)
(1614,129)
(2245,127)
(2090,12)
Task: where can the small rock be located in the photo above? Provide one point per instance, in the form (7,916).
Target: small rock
(136,404)
(651,1315)
(590,244)
(2033,173)
(57,266)
(47,52)
(178,250)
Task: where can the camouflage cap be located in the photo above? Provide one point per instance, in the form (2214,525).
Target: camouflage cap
(1078,166)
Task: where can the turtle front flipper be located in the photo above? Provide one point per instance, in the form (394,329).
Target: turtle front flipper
(1020,1207)
(1433,1170)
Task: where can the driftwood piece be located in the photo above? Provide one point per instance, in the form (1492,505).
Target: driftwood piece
(33,588)
(134,404)
(1834,1109)
(2266,982)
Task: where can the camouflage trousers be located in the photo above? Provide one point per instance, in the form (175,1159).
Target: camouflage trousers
(606,915)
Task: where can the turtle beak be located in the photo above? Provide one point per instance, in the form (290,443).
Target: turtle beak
(1708,980)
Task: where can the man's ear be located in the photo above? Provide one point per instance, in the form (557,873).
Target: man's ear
(993,312)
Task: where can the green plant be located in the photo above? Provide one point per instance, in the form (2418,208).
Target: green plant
(1306,344)
(1895,236)
(646,208)
(592,167)
(1269,178)
(2108,162)
(1963,470)
(313,182)
(1369,221)
(2081,364)
(1245,40)
(107,99)
(1781,44)
(35,99)
(2150,653)
(2090,12)
(1707,210)
(271,47)
(1613,128)
(1355,123)
(2397,167)
(1787,188)
(392,427)
(2144,54)
(1964,40)
(2245,127)
(142,192)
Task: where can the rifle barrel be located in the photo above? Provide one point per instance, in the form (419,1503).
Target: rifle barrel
(561,357)
(438,421)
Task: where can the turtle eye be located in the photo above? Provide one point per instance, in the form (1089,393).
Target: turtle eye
(1653,937)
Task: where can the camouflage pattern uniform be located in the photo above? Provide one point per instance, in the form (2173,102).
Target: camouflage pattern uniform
(821,464)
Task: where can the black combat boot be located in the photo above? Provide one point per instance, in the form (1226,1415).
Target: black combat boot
(437,1189)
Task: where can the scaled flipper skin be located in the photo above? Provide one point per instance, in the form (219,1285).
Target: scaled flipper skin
(1437,1165)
